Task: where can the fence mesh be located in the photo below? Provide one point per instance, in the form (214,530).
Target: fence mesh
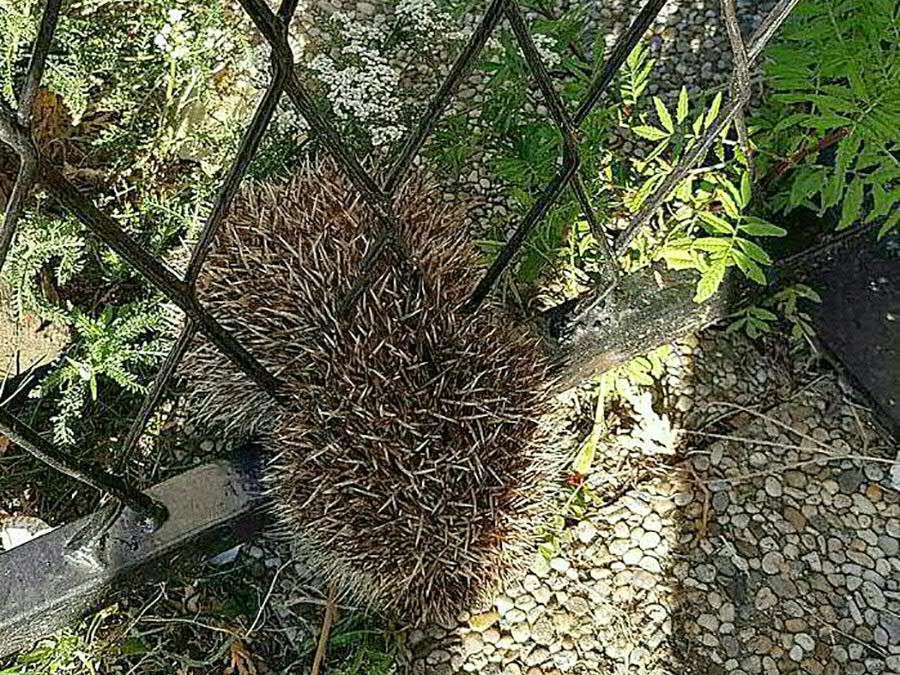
(36,171)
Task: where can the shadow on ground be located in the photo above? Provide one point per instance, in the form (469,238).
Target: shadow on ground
(744,522)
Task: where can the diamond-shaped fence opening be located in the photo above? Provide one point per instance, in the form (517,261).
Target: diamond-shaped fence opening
(36,170)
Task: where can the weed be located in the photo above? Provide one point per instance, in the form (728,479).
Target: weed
(834,76)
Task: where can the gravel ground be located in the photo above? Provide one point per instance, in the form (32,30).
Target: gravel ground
(774,551)
(687,38)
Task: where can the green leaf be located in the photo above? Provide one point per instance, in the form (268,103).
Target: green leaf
(759,323)
(889,224)
(762,314)
(713,111)
(664,117)
(728,203)
(682,111)
(644,191)
(713,244)
(132,646)
(716,223)
(807,181)
(548,550)
(678,259)
(746,189)
(736,325)
(697,125)
(884,201)
(852,204)
(754,251)
(788,121)
(750,269)
(805,291)
(585,457)
(834,188)
(847,151)
(650,133)
(881,203)
(760,228)
(685,189)
(710,281)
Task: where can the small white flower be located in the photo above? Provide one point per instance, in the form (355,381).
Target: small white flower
(422,16)
(176,15)
(546,47)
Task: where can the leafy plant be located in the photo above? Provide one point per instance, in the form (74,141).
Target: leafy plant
(634,78)
(508,131)
(755,320)
(630,382)
(146,107)
(834,76)
(116,345)
(711,242)
(704,222)
(18,29)
(360,647)
(47,250)
(66,652)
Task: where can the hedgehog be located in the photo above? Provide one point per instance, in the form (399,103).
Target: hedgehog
(406,459)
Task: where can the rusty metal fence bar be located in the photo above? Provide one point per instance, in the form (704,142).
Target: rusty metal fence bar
(567,172)
(246,151)
(734,109)
(35,170)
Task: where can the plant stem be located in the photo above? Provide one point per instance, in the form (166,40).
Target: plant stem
(793,160)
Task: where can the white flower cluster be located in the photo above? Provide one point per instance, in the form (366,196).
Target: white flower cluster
(367,89)
(175,36)
(546,47)
(424,18)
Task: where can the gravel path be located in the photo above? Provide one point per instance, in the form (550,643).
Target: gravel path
(774,552)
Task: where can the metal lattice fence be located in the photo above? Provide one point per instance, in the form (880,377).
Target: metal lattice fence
(36,170)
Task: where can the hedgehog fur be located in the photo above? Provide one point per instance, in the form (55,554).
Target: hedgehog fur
(407,454)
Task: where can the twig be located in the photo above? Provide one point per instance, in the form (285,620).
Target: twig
(733,480)
(192,622)
(265,602)
(831,452)
(327,622)
(144,611)
(740,87)
(862,431)
(813,613)
(776,422)
(321,603)
(783,167)
(760,38)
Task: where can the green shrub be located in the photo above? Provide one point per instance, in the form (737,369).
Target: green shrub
(147,109)
(834,73)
